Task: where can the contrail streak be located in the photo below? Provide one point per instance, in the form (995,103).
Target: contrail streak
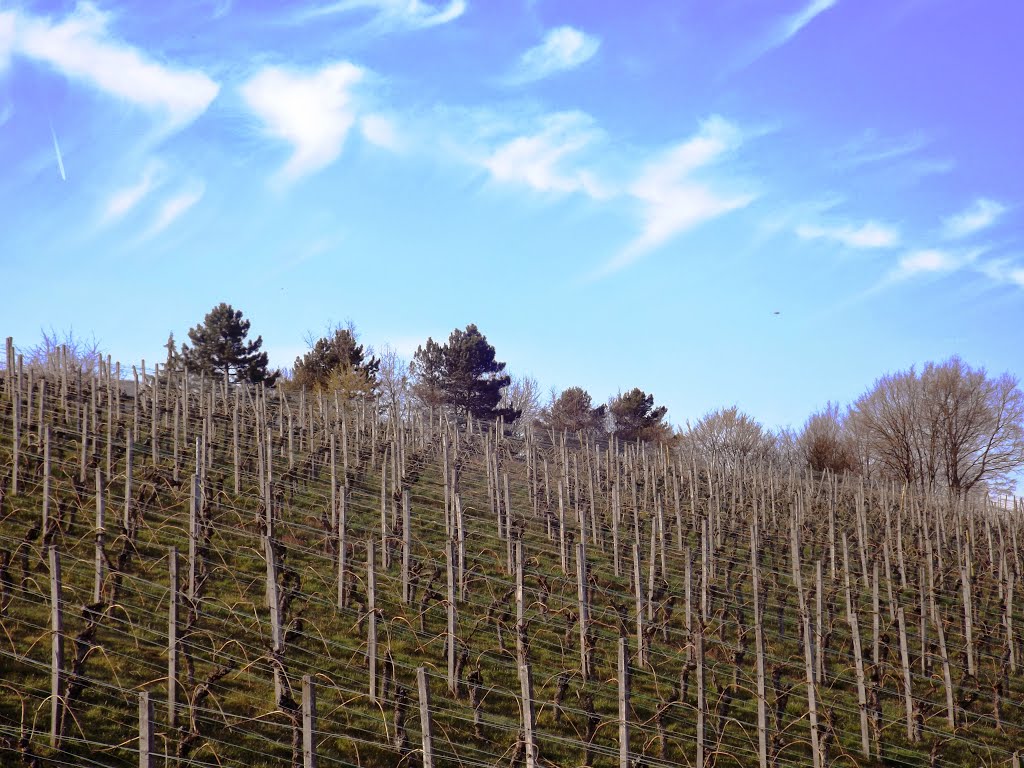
(60,158)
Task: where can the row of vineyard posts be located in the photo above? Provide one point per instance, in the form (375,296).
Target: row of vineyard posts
(581,604)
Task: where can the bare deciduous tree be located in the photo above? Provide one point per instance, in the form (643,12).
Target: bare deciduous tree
(523,395)
(729,437)
(393,377)
(949,425)
(82,352)
(825,442)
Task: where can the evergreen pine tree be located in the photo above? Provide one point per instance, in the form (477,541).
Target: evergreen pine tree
(464,375)
(219,346)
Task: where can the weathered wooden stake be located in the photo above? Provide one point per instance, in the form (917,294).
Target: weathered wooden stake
(426,727)
(342,523)
(46,480)
(451,610)
(762,702)
(99,559)
(371,616)
(308,722)
(56,650)
(406,547)
(172,640)
(584,610)
(623,658)
(276,634)
(908,694)
(526,686)
(145,730)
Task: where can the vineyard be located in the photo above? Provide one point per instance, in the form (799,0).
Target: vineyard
(197,573)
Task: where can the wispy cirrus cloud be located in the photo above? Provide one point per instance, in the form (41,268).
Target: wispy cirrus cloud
(60,156)
(125,199)
(81,48)
(380,131)
(394,15)
(538,159)
(927,261)
(1003,271)
(784,30)
(674,200)
(870,234)
(790,26)
(6,39)
(311,110)
(563,48)
(176,206)
(980,215)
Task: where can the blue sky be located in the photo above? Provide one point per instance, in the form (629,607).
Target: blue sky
(617,194)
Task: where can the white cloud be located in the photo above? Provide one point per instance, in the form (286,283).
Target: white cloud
(673,200)
(312,111)
(933,261)
(175,207)
(81,48)
(925,261)
(870,234)
(981,214)
(126,198)
(1003,271)
(791,25)
(6,39)
(561,49)
(60,157)
(537,159)
(396,14)
(380,130)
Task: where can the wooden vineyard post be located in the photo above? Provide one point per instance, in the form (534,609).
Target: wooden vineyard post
(908,695)
(1010,650)
(83,456)
(584,612)
(624,761)
(236,460)
(862,696)
(342,522)
(56,650)
(154,413)
(16,444)
(819,635)
(616,564)
(526,685)
(46,480)
(97,589)
(808,643)
(172,640)
(520,604)
(406,547)
(426,727)
(701,693)
(145,730)
(762,702)
(460,524)
(965,582)
(308,722)
(371,623)
(947,677)
(641,656)
(193,543)
(127,519)
(452,618)
(385,533)
(276,635)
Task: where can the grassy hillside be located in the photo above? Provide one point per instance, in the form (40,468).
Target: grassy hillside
(684,531)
